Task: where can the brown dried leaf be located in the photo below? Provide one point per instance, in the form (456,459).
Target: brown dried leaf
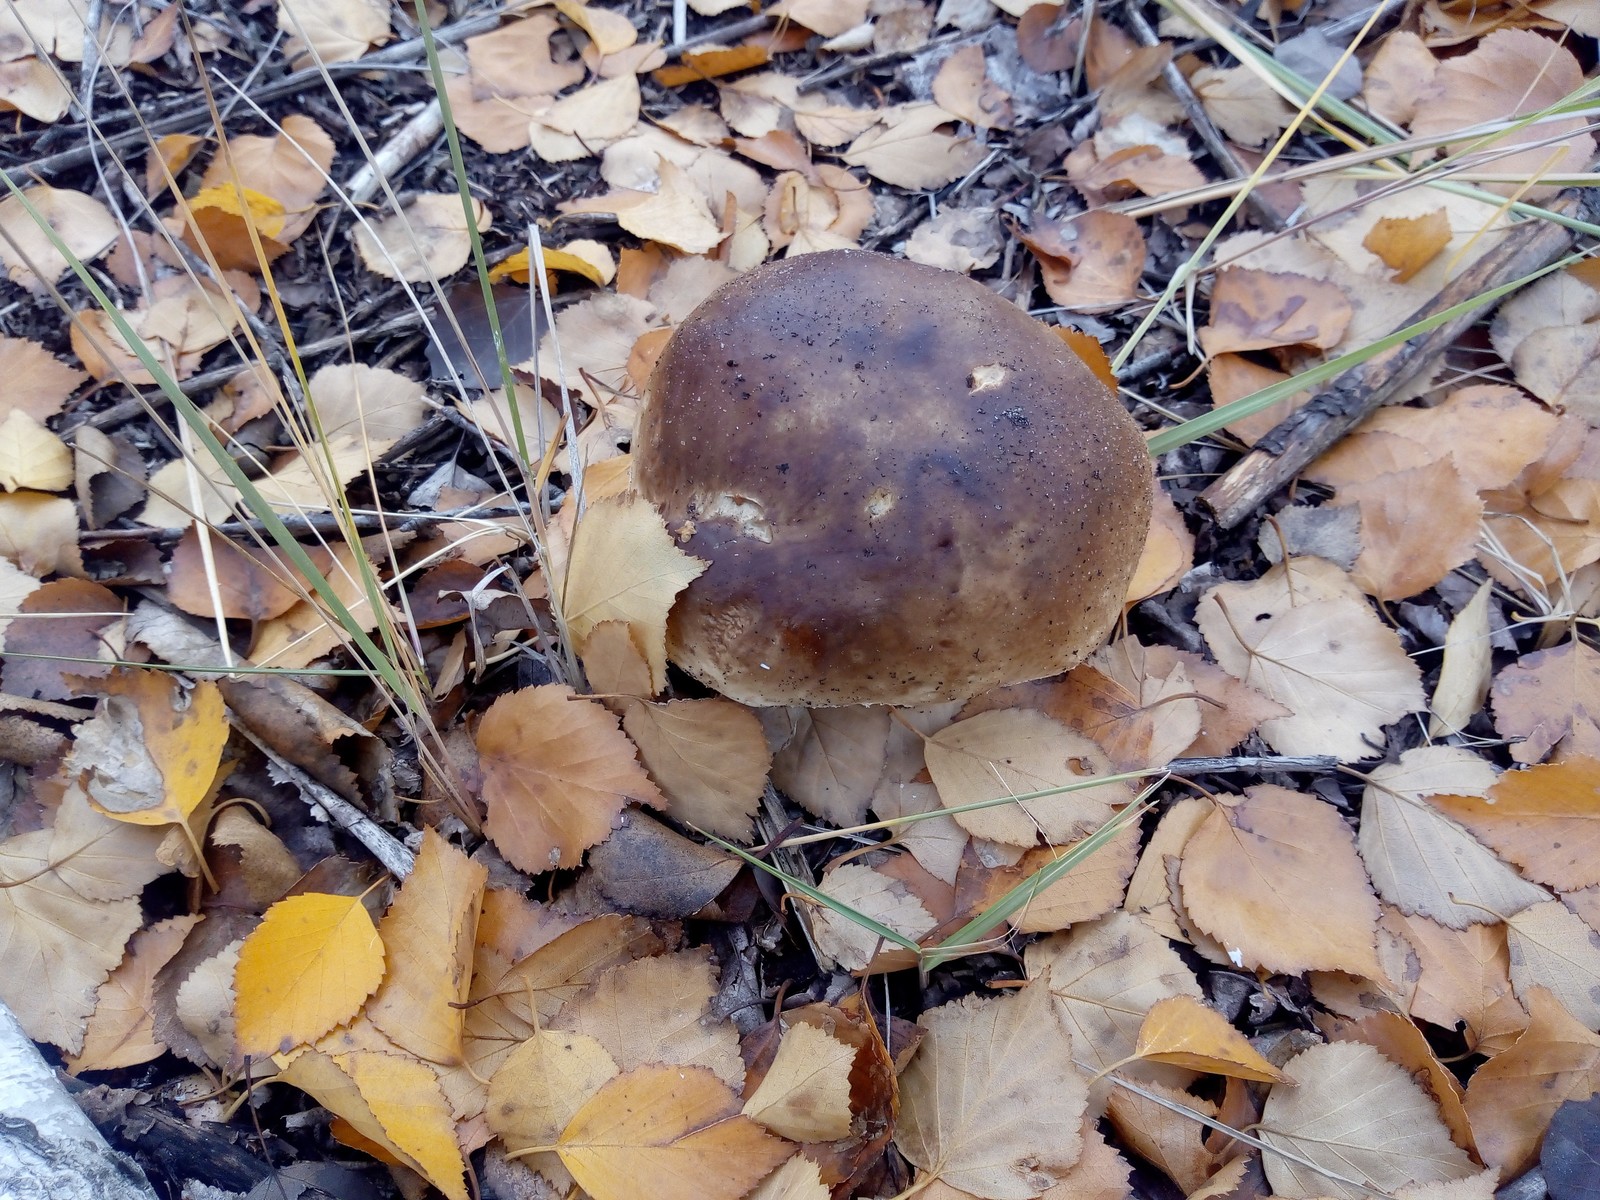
(1260,310)
(557,771)
(1543,819)
(883,898)
(1552,948)
(658,1010)
(1550,700)
(1511,1098)
(1090,263)
(1247,881)
(121,1033)
(1360,1116)
(908,147)
(1465,977)
(709,758)
(1416,527)
(831,764)
(805,1094)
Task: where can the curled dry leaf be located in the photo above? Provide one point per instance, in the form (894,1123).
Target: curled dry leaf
(1015,752)
(1323,654)
(678,1127)
(557,771)
(1090,263)
(309,966)
(991,1103)
(427,239)
(1465,669)
(709,758)
(1361,1118)
(1168,551)
(1183,1032)
(1246,880)
(150,752)
(1466,977)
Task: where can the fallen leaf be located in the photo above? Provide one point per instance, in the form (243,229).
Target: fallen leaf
(1089,890)
(1465,977)
(309,966)
(557,771)
(1104,977)
(1242,103)
(1015,752)
(1407,244)
(842,937)
(427,239)
(427,941)
(611,32)
(1550,699)
(833,761)
(1512,1097)
(1543,819)
(1338,669)
(84,226)
(991,1103)
(797,1179)
(151,751)
(73,627)
(657,1010)
(1183,1032)
(909,148)
(1090,263)
(678,1127)
(646,868)
(1361,1117)
(805,1094)
(1466,667)
(1260,310)
(1246,880)
(37,382)
(1552,948)
(338,31)
(542,1084)
(623,566)
(121,1033)
(31,456)
(1423,862)
(1169,1140)
(1417,526)
(708,757)
(1511,73)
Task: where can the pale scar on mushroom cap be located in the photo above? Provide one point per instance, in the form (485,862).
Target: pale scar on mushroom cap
(908,489)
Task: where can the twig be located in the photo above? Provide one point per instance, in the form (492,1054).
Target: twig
(1333,412)
(415,136)
(1235,764)
(851,65)
(387,849)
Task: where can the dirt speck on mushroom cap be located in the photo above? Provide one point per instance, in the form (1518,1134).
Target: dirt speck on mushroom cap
(908,489)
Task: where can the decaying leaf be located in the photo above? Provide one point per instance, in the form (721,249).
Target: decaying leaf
(991,1103)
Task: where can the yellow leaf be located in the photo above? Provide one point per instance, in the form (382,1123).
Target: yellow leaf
(1186,1033)
(611,31)
(518,266)
(623,566)
(309,966)
(557,771)
(805,1095)
(542,1085)
(151,751)
(427,939)
(31,456)
(391,1102)
(678,1127)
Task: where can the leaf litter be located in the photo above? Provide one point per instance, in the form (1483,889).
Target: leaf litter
(1365,937)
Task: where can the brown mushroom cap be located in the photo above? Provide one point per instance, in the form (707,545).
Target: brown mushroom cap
(908,489)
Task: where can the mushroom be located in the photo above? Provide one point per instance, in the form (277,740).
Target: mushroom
(908,490)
